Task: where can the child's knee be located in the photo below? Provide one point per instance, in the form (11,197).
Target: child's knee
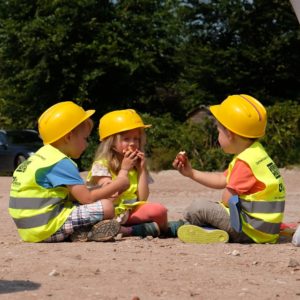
(158,213)
(197,206)
(159,210)
(194,210)
(108,209)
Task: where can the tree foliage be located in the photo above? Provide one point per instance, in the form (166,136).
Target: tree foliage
(155,56)
(104,54)
(241,47)
(159,57)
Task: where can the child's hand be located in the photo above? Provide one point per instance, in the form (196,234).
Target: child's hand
(141,162)
(182,164)
(114,196)
(139,156)
(129,160)
(130,148)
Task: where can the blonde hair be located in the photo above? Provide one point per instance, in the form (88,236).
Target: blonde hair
(106,150)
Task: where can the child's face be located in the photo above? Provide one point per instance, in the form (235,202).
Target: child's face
(224,138)
(130,137)
(78,140)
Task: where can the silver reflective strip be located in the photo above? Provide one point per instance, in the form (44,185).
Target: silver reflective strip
(270,228)
(129,201)
(32,203)
(262,206)
(38,220)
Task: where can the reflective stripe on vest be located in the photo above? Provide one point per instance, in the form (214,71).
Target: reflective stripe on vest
(270,228)
(38,220)
(32,203)
(262,206)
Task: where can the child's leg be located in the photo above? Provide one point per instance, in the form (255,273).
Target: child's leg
(142,230)
(150,212)
(203,213)
(83,217)
(209,213)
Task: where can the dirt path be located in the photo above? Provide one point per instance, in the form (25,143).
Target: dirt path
(164,269)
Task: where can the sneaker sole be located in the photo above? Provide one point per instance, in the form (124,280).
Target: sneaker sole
(104,231)
(198,235)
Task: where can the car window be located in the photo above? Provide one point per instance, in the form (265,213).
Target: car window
(23,137)
(2,138)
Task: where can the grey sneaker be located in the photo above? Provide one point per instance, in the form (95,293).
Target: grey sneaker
(100,232)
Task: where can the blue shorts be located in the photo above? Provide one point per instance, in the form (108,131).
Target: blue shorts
(81,216)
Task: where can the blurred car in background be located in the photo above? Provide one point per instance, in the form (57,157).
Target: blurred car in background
(16,146)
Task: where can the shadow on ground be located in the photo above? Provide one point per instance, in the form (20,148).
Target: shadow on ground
(12,286)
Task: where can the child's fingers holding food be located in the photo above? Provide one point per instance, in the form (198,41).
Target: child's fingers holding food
(182,157)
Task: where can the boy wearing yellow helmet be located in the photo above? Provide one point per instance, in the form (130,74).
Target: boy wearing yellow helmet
(122,137)
(49,201)
(252,204)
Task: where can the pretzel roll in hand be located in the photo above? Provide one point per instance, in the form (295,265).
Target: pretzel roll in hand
(182,157)
(131,148)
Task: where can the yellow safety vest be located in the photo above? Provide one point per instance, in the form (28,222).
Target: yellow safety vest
(128,199)
(38,212)
(261,212)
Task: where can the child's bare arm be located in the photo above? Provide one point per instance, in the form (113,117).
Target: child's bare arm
(216,180)
(143,187)
(84,196)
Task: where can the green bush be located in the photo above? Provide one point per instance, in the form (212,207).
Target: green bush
(167,137)
(282,138)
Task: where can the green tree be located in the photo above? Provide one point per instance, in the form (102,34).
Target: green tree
(156,56)
(240,47)
(102,54)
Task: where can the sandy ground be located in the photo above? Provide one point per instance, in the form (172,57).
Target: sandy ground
(144,269)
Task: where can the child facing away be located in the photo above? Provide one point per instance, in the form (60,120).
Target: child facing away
(49,201)
(252,178)
(122,136)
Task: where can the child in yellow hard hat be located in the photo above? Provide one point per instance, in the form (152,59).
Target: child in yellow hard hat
(49,202)
(252,204)
(122,137)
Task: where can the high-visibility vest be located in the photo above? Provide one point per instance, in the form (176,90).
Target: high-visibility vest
(128,199)
(261,212)
(38,212)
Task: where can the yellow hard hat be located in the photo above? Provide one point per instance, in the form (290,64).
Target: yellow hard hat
(242,114)
(60,119)
(119,121)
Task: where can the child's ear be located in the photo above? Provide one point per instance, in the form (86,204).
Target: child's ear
(230,134)
(67,137)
